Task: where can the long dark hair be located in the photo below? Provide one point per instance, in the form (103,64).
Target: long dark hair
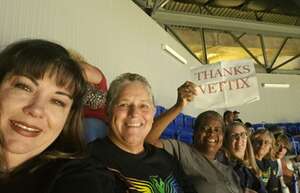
(35,58)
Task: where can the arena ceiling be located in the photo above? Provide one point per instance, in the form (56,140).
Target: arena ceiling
(267,31)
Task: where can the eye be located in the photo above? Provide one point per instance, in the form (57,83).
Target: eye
(58,102)
(123,105)
(145,106)
(23,86)
(216,130)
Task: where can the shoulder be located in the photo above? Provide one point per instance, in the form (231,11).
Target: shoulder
(270,163)
(99,146)
(82,175)
(183,152)
(156,151)
(173,146)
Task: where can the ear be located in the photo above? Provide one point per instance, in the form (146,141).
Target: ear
(154,110)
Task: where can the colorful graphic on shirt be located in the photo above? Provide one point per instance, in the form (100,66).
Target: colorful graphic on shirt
(155,185)
(266,175)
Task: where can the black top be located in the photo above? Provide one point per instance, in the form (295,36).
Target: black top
(153,170)
(59,176)
(247,178)
(269,177)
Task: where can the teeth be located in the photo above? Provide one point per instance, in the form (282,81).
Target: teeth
(134,124)
(25,128)
(212,140)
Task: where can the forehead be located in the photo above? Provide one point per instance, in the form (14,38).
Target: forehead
(263,136)
(238,128)
(213,122)
(134,89)
(47,78)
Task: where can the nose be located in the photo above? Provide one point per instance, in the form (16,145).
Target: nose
(133,110)
(280,149)
(239,138)
(35,108)
(258,143)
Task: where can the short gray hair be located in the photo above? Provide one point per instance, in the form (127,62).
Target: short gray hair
(118,83)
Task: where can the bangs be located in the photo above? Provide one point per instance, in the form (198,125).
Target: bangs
(35,58)
(36,63)
(63,76)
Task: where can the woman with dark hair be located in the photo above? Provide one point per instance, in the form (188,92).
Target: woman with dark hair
(41,91)
(285,165)
(199,159)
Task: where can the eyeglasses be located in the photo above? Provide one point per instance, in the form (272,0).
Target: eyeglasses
(237,136)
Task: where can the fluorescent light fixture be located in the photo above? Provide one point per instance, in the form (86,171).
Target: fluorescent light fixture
(273,85)
(174,53)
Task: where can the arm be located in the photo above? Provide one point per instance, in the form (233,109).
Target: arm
(186,93)
(92,74)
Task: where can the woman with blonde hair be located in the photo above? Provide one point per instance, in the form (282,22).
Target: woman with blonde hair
(238,152)
(263,143)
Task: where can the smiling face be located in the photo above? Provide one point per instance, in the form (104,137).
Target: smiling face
(281,151)
(131,117)
(238,141)
(209,137)
(262,145)
(32,114)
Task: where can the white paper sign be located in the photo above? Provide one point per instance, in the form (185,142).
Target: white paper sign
(225,84)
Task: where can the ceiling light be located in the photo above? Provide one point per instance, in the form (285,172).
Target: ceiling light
(274,85)
(174,53)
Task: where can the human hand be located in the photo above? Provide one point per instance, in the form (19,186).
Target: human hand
(186,93)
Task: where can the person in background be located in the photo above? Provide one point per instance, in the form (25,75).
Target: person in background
(238,152)
(199,159)
(249,127)
(41,91)
(141,166)
(263,145)
(236,115)
(95,118)
(228,117)
(285,165)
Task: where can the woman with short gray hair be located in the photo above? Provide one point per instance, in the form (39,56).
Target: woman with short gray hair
(140,166)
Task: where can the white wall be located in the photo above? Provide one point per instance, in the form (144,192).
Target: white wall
(113,34)
(276,104)
(118,37)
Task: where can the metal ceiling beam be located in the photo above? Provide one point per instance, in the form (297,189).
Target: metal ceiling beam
(204,49)
(236,39)
(170,30)
(263,48)
(282,71)
(278,52)
(285,62)
(223,23)
(159,4)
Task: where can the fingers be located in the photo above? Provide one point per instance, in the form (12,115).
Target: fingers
(188,89)
(186,93)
